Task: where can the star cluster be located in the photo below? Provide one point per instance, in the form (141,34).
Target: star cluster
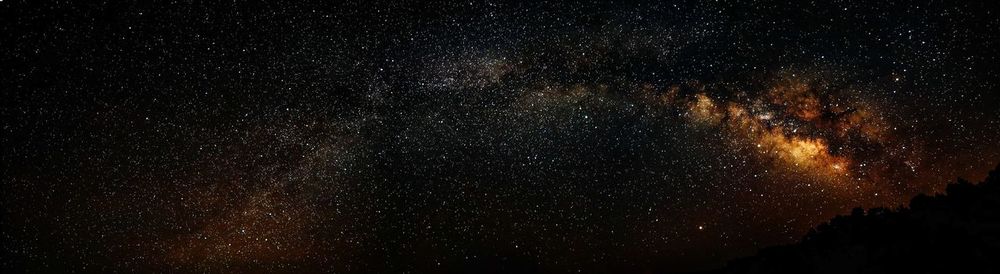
(364,137)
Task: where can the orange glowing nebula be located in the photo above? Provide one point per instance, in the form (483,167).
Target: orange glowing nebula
(807,154)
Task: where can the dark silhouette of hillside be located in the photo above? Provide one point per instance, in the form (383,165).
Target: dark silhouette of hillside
(955,232)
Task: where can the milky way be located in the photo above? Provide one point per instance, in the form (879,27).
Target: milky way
(429,137)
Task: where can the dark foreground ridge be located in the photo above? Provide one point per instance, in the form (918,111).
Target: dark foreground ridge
(955,232)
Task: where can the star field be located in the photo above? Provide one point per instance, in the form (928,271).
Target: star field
(361,137)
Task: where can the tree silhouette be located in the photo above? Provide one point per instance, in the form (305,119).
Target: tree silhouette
(955,232)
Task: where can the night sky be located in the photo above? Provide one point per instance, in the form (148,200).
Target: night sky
(465,136)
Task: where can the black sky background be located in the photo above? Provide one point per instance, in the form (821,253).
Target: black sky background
(389,136)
